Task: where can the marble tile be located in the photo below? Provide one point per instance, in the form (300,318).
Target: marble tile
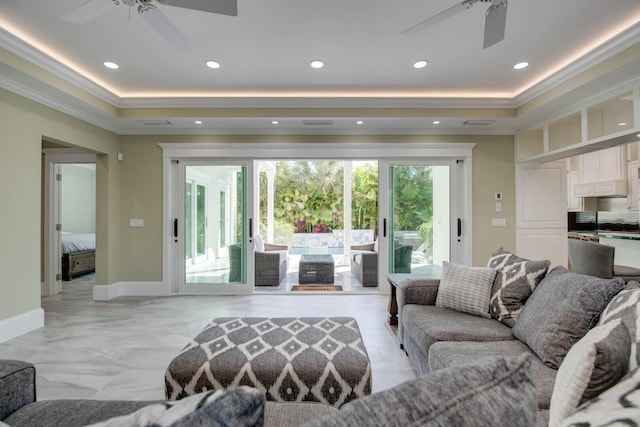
(120,349)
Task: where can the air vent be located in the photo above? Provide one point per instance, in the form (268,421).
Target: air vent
(154,122)
(479,122)
(317,122)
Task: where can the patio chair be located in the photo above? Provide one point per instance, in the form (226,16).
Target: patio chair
(271,262)
(364,263)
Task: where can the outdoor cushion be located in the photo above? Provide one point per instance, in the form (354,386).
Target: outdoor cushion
(466,289)
(515,281)
(258,243)
(561,310)
(448,354)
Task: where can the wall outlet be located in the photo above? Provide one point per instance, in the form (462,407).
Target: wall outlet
(498,207)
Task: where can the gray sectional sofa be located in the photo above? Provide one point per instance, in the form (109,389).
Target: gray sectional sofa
(558,311)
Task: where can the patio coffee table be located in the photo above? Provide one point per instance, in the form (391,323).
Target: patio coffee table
(293,359)
(316,268)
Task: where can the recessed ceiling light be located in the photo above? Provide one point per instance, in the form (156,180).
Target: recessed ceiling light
(198,122)
(274,122)
(359,122)
(420,64)
(212,64)
(622,124)
(436,122)
(111,65)
(317,64)
(521,65)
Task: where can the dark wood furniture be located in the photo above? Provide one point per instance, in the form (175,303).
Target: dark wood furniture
(77,263)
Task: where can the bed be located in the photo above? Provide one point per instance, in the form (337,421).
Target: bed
(78,254)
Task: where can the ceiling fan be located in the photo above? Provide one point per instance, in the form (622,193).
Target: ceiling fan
(91,9)
(494,24)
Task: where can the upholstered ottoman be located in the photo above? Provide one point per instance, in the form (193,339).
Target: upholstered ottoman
(291,359)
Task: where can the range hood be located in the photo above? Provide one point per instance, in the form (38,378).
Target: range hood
(601,189)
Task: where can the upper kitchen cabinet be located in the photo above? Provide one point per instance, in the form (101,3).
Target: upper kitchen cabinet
(605,165)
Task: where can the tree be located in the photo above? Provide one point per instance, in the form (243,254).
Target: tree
(364,196)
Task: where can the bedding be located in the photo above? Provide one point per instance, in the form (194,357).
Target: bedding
(76,242)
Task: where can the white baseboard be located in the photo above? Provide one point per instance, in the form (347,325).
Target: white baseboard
(129,289)
(21,324)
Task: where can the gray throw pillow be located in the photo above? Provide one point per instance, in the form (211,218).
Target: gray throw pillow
(240,406)
(561,311)
(618,406)
(515,281)
(593,365)
(626,307)
(465,289)
(496,392)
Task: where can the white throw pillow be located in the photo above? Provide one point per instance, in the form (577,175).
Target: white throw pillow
(594,364)
(258,243)
(466,289)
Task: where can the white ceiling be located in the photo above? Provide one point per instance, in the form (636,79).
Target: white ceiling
(265,53)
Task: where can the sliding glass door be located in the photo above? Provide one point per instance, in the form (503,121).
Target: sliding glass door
(214,227)
(421,223)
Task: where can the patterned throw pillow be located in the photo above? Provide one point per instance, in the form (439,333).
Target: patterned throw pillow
(241,406)
(495,392)
(561,311)
(618,406)
(626,307)
(515,281)
(594,364)
(466,289)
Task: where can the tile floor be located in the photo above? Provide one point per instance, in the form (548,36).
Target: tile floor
(120,349)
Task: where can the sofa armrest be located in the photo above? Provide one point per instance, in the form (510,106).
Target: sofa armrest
(421,291)
(17,386)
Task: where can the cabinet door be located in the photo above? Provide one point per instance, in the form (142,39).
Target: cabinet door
(590,167)
(612,164)
(574,203)
(633,185)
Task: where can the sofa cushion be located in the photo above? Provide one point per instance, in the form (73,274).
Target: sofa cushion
(561,310)
(293,414)
(626,307)
(496,392)
(516,278)
(236,406)
(448,354)
(618,406)
(594,364)
(427,324)
(466,289)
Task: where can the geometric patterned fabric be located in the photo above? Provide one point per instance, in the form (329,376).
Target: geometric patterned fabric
(515,281)
(293,359)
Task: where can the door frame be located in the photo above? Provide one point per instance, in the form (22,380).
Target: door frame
(461,152)
(52,257)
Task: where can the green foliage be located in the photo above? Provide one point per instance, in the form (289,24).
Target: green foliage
(412,196)
(364,196)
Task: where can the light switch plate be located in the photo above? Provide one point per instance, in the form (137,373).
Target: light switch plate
(498,222)
(136,222)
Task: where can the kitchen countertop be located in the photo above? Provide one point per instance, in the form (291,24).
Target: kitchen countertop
(607,234)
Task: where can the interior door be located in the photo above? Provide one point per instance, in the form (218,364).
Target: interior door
(419,215)
(213,259)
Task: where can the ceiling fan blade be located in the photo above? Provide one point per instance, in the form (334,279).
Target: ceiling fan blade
(495,23)
(439,17)
(87,11)
(222,7)
(165,28)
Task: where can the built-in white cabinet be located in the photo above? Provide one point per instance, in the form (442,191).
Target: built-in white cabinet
(633,187)
(602,173)
(574,203)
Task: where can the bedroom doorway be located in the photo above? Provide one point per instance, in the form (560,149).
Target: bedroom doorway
(69,219)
